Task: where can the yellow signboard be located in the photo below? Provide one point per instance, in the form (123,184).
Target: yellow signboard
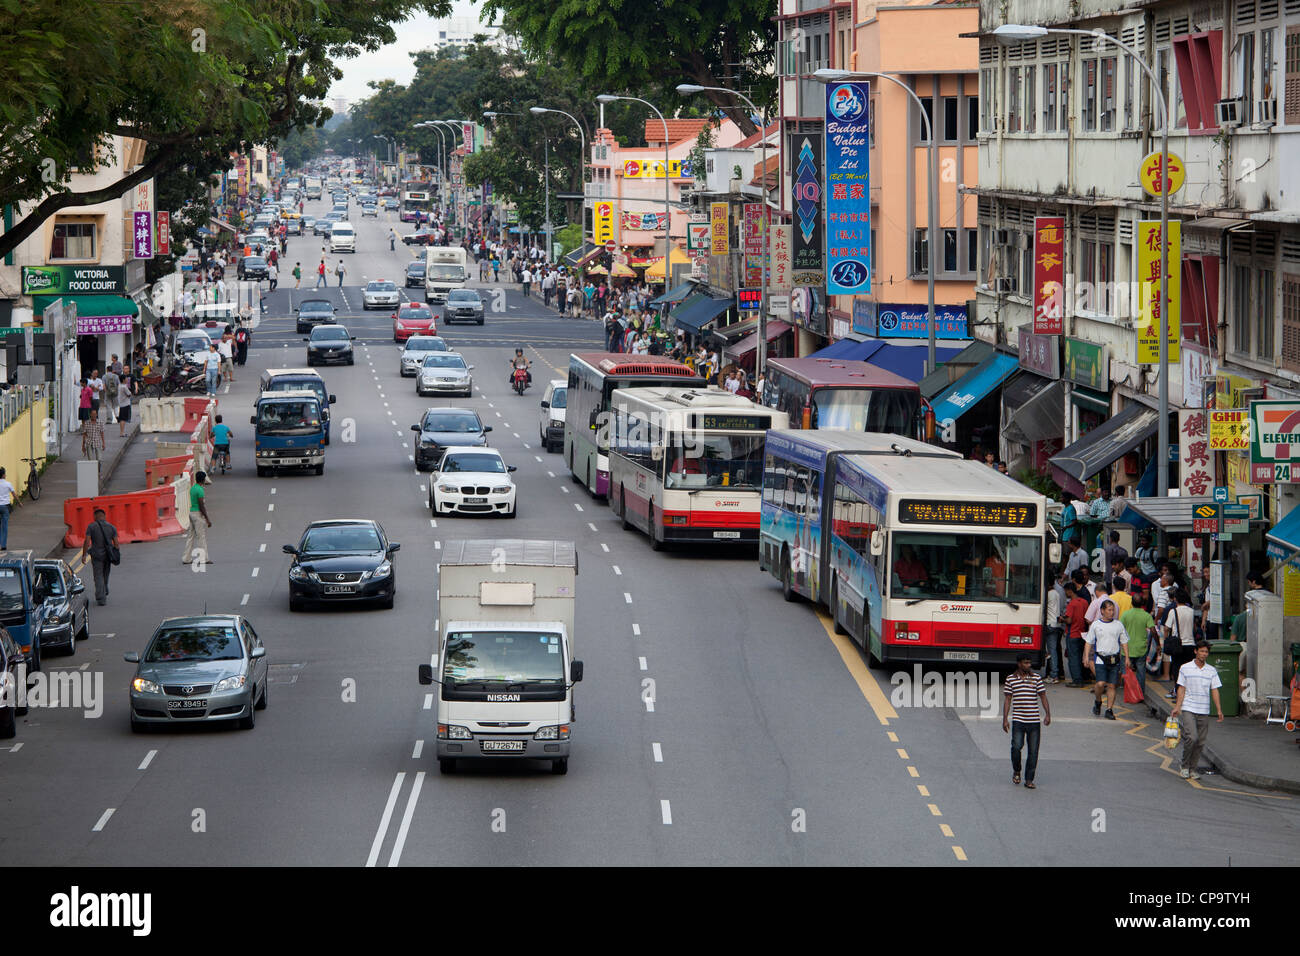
(602,224)
(651,169)
(1230,430)
(1148,323)
(1228,389)
(719,229)
(1156,178)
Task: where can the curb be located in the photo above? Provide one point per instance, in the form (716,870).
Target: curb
(1229,769)
(106,472)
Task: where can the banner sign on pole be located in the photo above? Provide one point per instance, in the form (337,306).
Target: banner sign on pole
(808,262)
(848,189)
(753,237)
(1049,275)
(719,230)
(1149,245)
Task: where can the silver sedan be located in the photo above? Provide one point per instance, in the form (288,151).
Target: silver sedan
(444,372)
(380,293)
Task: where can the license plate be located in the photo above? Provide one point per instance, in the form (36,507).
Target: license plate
(339,589)
(192,704)
(502,746)
(475,501)
(726,534)
(961,655)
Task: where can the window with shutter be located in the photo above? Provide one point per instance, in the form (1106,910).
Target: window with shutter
(1291,321)
(1292,91)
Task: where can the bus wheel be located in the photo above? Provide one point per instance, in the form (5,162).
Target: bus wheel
(622,507)
(835,609)
(655,543)
(787,578)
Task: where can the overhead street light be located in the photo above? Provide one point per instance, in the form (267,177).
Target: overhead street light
(582,163)
(668,212)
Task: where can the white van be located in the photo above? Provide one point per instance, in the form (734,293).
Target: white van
(343,238)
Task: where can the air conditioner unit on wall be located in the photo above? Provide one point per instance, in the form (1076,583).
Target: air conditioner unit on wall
(1266,112)
(1004,284)
(1227,113)
(1001,237)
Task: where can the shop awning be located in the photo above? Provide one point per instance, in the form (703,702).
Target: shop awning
(1107,442)
(1041,416)
(588,250)
(1170,515)
(945,375)
(222,224)
(850,350)
(1098,402)
(1284,537)
(675,294)
(88,305)
(1218,224)
(967,391)
(694,317)
(775,329)
(655,272)
(908,360)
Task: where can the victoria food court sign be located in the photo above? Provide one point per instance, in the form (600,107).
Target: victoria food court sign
(74,280)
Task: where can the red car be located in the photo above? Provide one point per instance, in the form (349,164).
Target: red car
(413,318)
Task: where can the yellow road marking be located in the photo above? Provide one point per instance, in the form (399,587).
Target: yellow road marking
(902,753)
(922,790)
(961,854)
(858,671)
(893,737)
(945,830)
(934,810)
(912,771)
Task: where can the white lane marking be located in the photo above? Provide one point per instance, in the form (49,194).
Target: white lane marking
(84,667)
(148,759)
(396,855)
(550,474)
(255,570)
(490,405)
(271,506)
(428,701)
(538,457)
(433,523)
(103,820)
(507,425)
(578,506)
(268,526)
(243,600)
(261,548)
(437,546)
(385,819)
(636,629)
(410,457)
(666,812)
(273,491)
(516,434)
(641,662)
(419,749)
(604,547)
(405,445)
(615,567)
(564,488)
(591,525)
(498,414)
(627,598)
(423,489)
(658,752)
(16,747)
(526,445)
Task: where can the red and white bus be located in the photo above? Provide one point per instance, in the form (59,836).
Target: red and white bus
(686,464)
(834,393)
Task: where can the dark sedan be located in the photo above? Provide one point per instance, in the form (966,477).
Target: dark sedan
(315,312)
(415,274)
(329,343)
(443,427)
(253,267)
(342,560)
(67,605)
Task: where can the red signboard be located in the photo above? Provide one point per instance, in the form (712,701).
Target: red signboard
(753,237)
(1049,275)
(164,243)
(1205,526)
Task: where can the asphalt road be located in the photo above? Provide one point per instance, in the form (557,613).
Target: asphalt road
(717,724)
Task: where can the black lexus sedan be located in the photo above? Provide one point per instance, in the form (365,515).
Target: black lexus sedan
(329,343)
(252,267)
(346,559)
(442,427)
(315,312)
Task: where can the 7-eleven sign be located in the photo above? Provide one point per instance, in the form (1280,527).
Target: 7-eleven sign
(1274,442)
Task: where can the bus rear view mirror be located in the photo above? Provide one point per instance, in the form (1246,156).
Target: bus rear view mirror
(1054,552)
(656,452)
(877,544)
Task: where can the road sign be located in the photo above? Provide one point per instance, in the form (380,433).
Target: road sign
(1205,519)
(610,245)
(1236,519)
(1220,493)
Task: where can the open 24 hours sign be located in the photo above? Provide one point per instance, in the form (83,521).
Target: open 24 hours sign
(1274,442)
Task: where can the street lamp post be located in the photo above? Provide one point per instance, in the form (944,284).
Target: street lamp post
(760,361)
(932,191)
(582,163)
(442,155)
(668,212)
(493,114)
(1015,33)
(459,126)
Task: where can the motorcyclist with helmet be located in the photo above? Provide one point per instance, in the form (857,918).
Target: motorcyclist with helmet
(520,361)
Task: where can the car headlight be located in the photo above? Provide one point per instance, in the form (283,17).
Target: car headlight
(449,489)
(552,732)
(384,570)
(454,732)
(229,683)
(501,490)
(297,574)
(142,686)
(557,422)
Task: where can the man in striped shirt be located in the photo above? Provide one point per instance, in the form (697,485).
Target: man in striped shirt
(1023,717)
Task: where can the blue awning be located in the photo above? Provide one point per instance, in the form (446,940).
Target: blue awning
(850,350)
(905,360)
(694,316)
(967,391)
(673,296)
(1284,537)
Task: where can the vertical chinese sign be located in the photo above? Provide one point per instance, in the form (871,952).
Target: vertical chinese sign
(164,243)
(719,229)
(1197,472)
(1148,327)
(467,135)
(602,224)
(807,260)
(754,228)
(1049,275)
(848,189)
(142,234)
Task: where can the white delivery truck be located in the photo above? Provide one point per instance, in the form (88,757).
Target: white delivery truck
(504,656)
(445,268)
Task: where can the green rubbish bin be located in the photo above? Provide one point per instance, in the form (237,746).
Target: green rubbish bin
(1225,658)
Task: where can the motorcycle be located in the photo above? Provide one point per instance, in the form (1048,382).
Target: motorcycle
(190,377)
(519,380)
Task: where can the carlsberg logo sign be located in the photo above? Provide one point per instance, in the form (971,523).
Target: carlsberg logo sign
(74,280)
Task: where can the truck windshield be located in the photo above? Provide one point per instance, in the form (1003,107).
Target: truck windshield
(976,567)
(448,273)
(503,657)
(11,593)
(288,418)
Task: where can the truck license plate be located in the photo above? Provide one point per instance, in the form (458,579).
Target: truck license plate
(502,746)
(961,655)
(726,534)
(191,704)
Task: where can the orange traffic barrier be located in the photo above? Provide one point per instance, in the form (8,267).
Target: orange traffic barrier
(134,515)
(168,522)
(161,471)
(195,411)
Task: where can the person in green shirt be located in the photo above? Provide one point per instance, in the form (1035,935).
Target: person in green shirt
(297,274)
(1139,623)
(196,541)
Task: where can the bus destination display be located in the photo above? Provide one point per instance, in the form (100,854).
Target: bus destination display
(736,423)
(990,513)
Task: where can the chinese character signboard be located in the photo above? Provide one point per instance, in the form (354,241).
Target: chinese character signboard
(747,300)
(753,236)
(719,229)
(1156,178)
(1274,442)
(1039,353)
(913,321)
(808,266)
(1148,323)
(1229,430)
(1195,463)
(649,221)
(164,243)
(102,324)
(603,223)
(142,235)
(781,279)
(467,135)
(848,189)
(697,235)
(1085,364)
(1049,275)
(1228,390)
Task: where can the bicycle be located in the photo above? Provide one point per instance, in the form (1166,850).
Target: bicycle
(223,458)
(33,480)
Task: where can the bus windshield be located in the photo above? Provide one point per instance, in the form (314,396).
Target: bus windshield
(713,460)
(976,567)
(864,409)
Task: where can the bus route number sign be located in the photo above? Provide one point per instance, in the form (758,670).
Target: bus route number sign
(991,513)
(738,423)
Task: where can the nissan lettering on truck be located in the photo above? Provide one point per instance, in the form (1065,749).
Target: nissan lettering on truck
(504,655)
(445,268)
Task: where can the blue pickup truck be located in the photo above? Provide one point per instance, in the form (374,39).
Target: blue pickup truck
(288,432)
(22,611)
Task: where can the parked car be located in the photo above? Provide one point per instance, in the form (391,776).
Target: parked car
(342,560)
(12,664)
(67,605)
(199,669)
(550,428)
(441,428)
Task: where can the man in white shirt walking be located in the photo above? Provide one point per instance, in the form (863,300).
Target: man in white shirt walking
(1107,652)
(1198,685)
